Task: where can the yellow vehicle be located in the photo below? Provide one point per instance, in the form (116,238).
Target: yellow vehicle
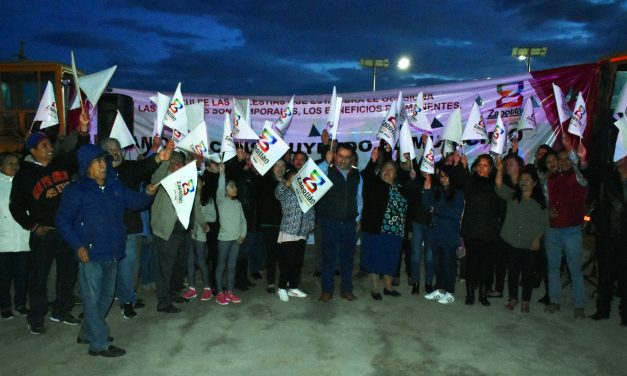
(22,84)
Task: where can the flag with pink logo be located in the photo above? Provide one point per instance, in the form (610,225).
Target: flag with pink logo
(310,185)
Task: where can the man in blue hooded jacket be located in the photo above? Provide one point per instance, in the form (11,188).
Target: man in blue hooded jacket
(91,220)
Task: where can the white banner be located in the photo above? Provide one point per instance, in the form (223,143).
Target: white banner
(181,187)
(310,184)
(269,149)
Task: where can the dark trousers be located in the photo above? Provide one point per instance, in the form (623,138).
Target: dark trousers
(13,268)
(338,243)
(170,253)
(496,278)
(212,252)
(270,236)
(479,260)
(520,272)
(445,265)
(45,249)
(612,263)
(291,255)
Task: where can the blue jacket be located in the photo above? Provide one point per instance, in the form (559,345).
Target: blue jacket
(91,216)
(446,219)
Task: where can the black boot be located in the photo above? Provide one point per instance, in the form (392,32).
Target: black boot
(415,289)
(470,292)
(483,298)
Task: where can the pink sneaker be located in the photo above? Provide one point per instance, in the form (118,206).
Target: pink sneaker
(189,294)
(221,299)
(232,298)
(207,294)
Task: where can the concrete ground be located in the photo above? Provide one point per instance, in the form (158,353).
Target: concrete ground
(397,336)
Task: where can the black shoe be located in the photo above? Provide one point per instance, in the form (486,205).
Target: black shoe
(36,328)
(393,293)
(7,314)
(317,274)
(376,295)
(415,289)
(470,293)
(180,299)
(544,300)
(169,309)
(337,273)
(256,276)
(396,282)
(241,287)
(483,298)
(21,310)
(271,289)
(128,312)
(598,315)
(249,283)
(81,341)
(67,319)
(110,352)
(81,315)
(428,288)
(76,300)
(139,304)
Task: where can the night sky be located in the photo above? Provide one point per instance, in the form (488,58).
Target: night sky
(306,47)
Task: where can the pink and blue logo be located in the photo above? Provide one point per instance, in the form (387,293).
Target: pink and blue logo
(314,180)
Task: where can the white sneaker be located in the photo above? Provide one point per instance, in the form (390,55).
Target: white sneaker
(434,295)
(447,298)
(296,293)
(282,293)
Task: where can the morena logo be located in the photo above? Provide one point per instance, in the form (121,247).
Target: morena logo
(175,106)
(579,112)
(266,140)
(200,148)
(313,181)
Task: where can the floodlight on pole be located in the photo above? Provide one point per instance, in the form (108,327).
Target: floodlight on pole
(525,53)
(403,63)
(374,64)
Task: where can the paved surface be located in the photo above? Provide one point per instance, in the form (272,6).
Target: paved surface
(263,336)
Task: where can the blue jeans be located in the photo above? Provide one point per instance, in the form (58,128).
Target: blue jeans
(146,260)
(198,255)
(338,241)
(419,236)
(125,285)
(568,240)
(257,254)
(445,264)
(97,280)
(227,259)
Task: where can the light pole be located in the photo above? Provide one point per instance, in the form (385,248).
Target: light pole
(403,63)
(525,53)
(374,64)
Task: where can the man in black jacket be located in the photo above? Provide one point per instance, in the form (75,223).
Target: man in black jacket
(35,198)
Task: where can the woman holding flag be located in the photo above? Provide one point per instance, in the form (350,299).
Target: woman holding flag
(383,222)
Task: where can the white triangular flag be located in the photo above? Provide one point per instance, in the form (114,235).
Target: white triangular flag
(227,148)
(428,158)
(269,148)
(197,142)
(620,151)
(475,126)
(452,130)
(499,138)
(388,130)
(120,132)
(163,102)
(418,118)
(47,111)
(195,115)
(310,184)
(336,118)
(401,111)
(176,116)
(284,120)
(621,105)
(563,111)
(242,129)
(578,121)
(77,98)
(331,116)
(406,143)
(93,85)
(181,187)
(528,117)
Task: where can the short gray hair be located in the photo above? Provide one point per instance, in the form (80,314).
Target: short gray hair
(107,141)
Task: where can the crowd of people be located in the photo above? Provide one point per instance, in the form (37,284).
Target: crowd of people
(107,224)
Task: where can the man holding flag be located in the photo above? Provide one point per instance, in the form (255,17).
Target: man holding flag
(340,215)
